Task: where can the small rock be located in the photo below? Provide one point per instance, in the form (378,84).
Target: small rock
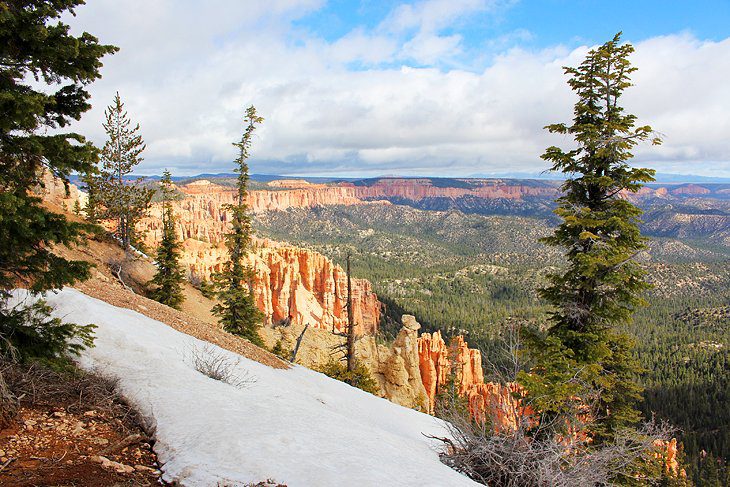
(90,413)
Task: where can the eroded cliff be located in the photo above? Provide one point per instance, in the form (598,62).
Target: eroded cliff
(291,283)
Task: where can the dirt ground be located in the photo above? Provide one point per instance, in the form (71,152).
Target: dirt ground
(72,430)
(51,446)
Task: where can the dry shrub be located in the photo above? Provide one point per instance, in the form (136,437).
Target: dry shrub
(537,456)
(77,391)
(218,365)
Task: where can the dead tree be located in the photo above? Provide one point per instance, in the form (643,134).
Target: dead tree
(8,404)
(350,322)
(299,342)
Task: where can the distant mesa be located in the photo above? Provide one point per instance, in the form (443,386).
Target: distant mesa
(292,183)
(691,189)
(200,182)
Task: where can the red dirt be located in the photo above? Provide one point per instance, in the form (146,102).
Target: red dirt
(49,446)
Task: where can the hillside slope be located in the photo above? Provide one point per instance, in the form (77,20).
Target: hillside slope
(295,426)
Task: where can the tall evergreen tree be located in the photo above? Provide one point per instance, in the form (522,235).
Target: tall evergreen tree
(169,277)
(584,354)
(236,308)
(43,73)
(124,202)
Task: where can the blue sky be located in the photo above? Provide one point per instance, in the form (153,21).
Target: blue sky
(428,87)
(541,23)
(589,21)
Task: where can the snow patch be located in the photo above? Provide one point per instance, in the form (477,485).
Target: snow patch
(295,426)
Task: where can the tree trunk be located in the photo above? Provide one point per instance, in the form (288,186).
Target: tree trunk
(8,404)
(299,343)
(350,322)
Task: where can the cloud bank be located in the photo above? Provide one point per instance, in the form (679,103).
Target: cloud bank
(407,96)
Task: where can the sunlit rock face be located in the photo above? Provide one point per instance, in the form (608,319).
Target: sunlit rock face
(416,189)
(291,283)
(487,400)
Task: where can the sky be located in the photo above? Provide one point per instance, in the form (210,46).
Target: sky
(430,88)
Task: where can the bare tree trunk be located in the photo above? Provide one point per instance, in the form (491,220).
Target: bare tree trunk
(350,322)
(299,342)
(8,404)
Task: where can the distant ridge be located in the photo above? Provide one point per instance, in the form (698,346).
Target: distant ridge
(663,178)
(660,177)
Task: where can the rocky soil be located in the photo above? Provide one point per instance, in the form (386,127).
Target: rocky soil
(48,445)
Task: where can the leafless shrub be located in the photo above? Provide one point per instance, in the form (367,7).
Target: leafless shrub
(36,384)
(538,456)
(214,363)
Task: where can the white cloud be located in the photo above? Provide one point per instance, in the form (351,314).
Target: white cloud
(187,70)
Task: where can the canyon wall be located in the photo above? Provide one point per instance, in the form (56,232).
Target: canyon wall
(420,188)
(440,363)
(293,284)
(201,214)
(395,368)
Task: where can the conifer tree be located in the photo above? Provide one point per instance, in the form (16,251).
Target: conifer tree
(124,202)
(43,74)
(236,308)
(169,277)
(584,355)
(90,184)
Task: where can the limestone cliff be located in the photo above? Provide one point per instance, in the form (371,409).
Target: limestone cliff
(439,362)
(291,283)
(395,368)
(416,189)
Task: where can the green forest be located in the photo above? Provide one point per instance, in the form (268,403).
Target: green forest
(473,274)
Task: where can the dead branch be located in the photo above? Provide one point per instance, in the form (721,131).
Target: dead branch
(299,342)
(8,462)
(124,443)
(116,270)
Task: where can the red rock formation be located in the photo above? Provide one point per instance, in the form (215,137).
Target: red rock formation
(667,452)
(499,403)
(418,188)
(692,189)
(434,364)
(290,282)
(294,282)
(204,196)
(486,400)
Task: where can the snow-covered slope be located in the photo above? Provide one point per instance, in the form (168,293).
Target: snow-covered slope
(295,426)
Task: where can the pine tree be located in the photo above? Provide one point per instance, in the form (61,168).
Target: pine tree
(125,203)
(236,308)
(90,184)
(584,354)
(43,73)
(169,277)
